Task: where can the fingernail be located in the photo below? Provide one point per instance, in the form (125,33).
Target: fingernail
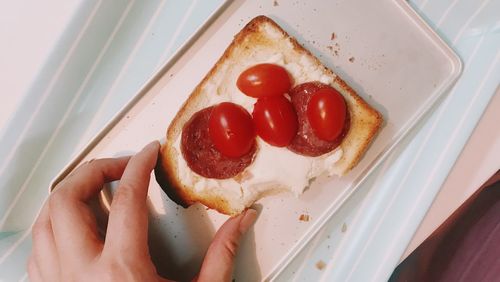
(124,158)
(248,220)
(155,145)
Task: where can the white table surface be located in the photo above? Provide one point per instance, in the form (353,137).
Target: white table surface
(21,57)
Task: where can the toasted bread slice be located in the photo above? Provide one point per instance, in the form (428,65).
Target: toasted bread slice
(261,40)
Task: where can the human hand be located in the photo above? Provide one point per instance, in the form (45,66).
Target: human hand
(67,245)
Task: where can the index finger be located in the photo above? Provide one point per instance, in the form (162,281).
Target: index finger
(128,218)
(87,180)
(73,223)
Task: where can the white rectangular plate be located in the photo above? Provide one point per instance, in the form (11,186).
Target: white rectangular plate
(381,48)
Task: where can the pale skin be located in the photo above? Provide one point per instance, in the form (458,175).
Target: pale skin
(66,243)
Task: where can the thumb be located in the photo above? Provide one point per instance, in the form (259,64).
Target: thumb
(218,262)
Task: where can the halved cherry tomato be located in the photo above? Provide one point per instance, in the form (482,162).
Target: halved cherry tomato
(264,80)
(275,120)
(326,112)
(231,129)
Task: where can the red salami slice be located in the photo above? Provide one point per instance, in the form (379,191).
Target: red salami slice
(306,142)
(202,156)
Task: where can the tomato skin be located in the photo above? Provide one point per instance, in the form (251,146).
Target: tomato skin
(275,120)
(231,129)
(326,112)
(264,80)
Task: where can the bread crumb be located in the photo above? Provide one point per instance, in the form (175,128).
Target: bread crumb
(344,228)
(333,36)
(320,265)
(304,217)
(334,49)
(275,3)
(351,59)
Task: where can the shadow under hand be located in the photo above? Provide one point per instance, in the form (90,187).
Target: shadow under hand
(179,239)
